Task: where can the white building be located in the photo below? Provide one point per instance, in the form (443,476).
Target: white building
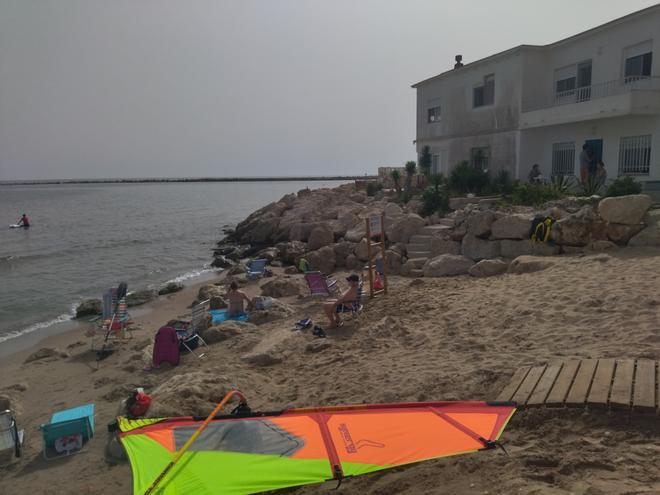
(541,104)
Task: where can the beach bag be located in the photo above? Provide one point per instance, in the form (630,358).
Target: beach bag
(138,404)
(166,347)
(541,228)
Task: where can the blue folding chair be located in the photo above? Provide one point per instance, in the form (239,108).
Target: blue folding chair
(68,431)
(355,308)
(255,269)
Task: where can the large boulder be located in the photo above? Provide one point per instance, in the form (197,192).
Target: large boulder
(392,210)
(217,302)
(405,227)
(277,311)
(529,264)
(342,251)
(444,245)
(282,287)
(352,262)
(321,235)
(579,229)
(356,233)
(291,251)
(650,236)
(394,262)
(322,260)
(269,254)
(447,265)
(479,223)
(209,290)
(411,265)
(488,268)
(362,250)
(621,234)
(140,297)
(511,249)
(478,249)
(515,226)
(627,210)
(89,307)
(301,231)
(260,231)
(170,288)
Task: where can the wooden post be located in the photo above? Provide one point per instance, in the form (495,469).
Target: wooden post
(383,251)
(369,266)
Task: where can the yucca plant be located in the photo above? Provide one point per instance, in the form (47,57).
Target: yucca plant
(561,184)
(411,168)
(590,186)
(396,178)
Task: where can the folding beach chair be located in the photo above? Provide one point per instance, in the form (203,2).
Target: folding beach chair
(255,269)
(355,308)
(114,320)
(319,285)
(11,438)
(188,330)
(68,431)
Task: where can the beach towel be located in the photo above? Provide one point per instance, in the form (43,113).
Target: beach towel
(166,347)
(220,315)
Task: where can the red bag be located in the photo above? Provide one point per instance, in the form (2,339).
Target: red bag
(138,404)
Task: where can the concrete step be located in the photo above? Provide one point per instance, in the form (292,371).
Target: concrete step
(419,239)
(425,246)
(419,254)
(432,229)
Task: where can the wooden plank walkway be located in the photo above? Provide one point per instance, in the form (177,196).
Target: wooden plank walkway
(598,383)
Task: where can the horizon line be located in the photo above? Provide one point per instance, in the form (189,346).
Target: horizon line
(13,182)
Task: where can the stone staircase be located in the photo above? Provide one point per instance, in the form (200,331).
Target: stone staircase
(419,245)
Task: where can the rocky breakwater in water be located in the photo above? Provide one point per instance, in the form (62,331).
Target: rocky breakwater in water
(479,239)
(325,226)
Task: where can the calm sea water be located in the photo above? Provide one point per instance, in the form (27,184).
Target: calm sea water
(86,238)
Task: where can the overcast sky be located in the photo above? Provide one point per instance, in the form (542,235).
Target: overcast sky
(162,88)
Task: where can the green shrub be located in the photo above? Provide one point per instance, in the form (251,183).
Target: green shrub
(590,186)
(561,184)
(502,183)
(373,187)
(465,178)
(425,161)
(436,197)
(624,186)
(532,194)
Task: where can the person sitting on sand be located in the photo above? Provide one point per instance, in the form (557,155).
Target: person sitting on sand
(235,299)
(333,307)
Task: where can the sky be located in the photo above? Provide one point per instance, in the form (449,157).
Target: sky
(214,88)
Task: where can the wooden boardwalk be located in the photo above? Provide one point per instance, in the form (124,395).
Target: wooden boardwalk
(597,383)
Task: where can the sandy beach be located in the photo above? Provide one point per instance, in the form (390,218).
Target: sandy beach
(428,339)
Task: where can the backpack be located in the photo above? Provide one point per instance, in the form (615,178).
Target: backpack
(541,228)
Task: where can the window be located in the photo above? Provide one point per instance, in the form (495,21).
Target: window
(434,114)
(479,157)
(563,159)
(435,164)
(565,85)
(485,94)
(635,155)
(638,66)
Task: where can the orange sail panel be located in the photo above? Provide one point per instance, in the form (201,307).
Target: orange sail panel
(265,451)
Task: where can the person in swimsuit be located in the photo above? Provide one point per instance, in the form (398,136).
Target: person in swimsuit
(235,300)
(333,307)
(24,221)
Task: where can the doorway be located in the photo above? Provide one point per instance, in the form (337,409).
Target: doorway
(596,146)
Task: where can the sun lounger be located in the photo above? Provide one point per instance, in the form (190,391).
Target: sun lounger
(320,285)
(255,269)
(68,431)
(11,438)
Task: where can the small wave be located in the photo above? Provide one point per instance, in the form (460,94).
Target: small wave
(190,275)
(37,326)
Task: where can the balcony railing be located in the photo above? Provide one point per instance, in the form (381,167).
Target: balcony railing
(587,93)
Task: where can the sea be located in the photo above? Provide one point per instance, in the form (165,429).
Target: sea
(86,238)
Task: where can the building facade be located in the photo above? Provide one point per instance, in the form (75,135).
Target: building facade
(542,104)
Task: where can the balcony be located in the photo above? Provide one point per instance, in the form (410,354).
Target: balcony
(628,96)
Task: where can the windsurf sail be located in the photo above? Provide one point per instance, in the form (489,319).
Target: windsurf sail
(248,452)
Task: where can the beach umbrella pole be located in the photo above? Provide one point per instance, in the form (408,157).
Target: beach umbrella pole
(192,439)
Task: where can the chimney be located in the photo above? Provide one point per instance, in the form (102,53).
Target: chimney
(458,63)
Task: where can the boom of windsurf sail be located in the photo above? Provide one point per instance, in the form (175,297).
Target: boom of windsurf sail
(248,452)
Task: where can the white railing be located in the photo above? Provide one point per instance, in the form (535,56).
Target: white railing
(586,93)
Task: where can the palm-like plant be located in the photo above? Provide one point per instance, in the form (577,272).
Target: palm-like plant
(411,167)
(590,186)
(396,178)
(425,161)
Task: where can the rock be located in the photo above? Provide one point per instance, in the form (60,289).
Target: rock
(220,261)
(321,235)
(488,268)
(404,227)
(479,224)
(322,260)
(511,249)
(529,264)
(290,252)
(447,265)
(217,302)
(356,234)
(416,282)
(89,307)
(238,269)
(362,250)
(208,291)
(621,234)
(579,229)
(18,387)
(317,346)
(444,245)
(46,352)
(627,210)
(263,358)
(514,226)
(392,210)
(269,254)
(140,297)
(301,231)
(352,262)
(342,251)
(479,249)
(601,246)
(226,330)
(412,264)
(170,288)
(650,236)
(281,287)
(414,206)
(358,197)
(277,311)
(545,249)
(291,270)
(394,262)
